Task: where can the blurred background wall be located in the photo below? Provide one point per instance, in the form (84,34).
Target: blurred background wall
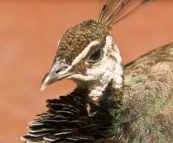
(29,32)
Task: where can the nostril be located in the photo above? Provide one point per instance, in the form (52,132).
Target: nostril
(57,71)
(60,68)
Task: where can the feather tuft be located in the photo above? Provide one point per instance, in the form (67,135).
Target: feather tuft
(112,11)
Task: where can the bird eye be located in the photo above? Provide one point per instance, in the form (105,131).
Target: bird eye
(95,56)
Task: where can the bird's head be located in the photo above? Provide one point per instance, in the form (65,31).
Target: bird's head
(87,53)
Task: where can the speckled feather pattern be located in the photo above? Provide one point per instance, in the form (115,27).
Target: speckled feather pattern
(140,110)
(148,92)
(146,115)
(77,38)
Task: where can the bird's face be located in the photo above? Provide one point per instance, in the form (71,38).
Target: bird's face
(87,55)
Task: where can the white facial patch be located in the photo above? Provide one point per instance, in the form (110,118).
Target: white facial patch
(80,57)
(97,77)
(109,68)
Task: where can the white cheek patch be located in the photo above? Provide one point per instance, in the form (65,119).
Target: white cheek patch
(102,72)
(109,68)
(108,45)
(80,56)
(115,53)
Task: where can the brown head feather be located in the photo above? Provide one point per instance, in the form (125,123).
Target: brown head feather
(112,11)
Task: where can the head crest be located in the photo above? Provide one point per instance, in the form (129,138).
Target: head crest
(112,11)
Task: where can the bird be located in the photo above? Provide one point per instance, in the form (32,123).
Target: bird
(112,103)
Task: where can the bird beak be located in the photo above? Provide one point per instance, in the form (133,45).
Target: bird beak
(57,73)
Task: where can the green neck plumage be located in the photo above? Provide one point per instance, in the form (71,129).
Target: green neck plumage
(111,111)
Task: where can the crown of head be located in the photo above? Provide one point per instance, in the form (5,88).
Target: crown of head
(87,53)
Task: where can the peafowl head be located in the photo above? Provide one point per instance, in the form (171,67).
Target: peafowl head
(87,53)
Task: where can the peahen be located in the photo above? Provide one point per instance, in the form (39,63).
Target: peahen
(112,103)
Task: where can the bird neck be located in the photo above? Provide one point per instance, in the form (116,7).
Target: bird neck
(110,100)
(108,110)
(111,72)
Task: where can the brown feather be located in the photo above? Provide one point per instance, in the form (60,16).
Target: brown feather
(112,11)
(148,93)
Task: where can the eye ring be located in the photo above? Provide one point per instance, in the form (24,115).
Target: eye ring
(96,55)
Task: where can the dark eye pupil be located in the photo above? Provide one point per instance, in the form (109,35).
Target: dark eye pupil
(95,56)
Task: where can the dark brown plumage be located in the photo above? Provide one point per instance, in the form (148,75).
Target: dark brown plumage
(77,38)
(108,105)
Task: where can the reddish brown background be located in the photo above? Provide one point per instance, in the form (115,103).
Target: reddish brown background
(29,32)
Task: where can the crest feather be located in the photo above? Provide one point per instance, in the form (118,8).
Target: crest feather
(112,11)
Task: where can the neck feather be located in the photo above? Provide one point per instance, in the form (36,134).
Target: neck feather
(109,101)
(110,70)
(109,110)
